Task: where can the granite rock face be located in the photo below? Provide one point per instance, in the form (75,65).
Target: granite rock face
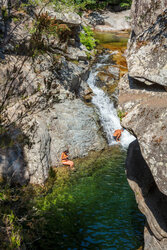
(114,21)
(145,13)
(146,119)
(68,17)
(147,53)
(37,154)
(75,126)
(143,96)
(42,96)
(107,21)
(71,125)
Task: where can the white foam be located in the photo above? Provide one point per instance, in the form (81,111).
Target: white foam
(107,112)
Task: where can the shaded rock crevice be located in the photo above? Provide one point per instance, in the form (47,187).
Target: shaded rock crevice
(138,83)
(151,201)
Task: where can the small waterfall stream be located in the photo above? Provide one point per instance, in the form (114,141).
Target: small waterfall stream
(105,107)
(94,207)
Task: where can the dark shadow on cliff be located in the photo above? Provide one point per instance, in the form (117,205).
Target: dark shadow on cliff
(139,172)
(139,85)
(14,201)
(12,159)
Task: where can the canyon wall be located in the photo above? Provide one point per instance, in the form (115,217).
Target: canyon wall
(143,96)
(44,98)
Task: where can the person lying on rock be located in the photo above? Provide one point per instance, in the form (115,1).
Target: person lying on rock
(65,160)
(117,134)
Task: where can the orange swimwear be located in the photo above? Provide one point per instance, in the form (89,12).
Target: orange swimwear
(117,134)
(65,161)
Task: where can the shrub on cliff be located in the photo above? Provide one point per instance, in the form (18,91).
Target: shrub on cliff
(44,27)
(100,4)
(87,38)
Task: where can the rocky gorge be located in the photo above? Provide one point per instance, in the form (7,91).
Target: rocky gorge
(45,101)
(143,96)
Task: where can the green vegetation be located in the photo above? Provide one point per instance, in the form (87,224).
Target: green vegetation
(77,5)
(121,114)
(100,4)
(87,38)
(126,4)
(4,13)
(45,26)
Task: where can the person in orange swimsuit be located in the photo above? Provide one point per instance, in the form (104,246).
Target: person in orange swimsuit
(117,134)
(65,160)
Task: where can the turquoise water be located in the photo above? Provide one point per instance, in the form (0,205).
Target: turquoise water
(104,214)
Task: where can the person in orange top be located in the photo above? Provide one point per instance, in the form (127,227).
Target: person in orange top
(117,134)
(65,160)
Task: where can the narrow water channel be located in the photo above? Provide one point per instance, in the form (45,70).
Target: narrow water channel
(103,213)
(108,206)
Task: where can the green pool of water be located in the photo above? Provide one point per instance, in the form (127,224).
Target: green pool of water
(119,39)
(107,207)
(97,209)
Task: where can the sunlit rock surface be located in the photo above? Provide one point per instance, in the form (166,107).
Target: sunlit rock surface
(143,96)
(108,21)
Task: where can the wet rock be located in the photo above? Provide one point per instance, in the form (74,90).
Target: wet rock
(87,98)
(108,77)
(114,71)
(87,94)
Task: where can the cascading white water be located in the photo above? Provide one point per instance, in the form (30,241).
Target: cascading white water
(107,111)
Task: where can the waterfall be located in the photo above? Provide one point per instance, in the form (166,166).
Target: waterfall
(107,112)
